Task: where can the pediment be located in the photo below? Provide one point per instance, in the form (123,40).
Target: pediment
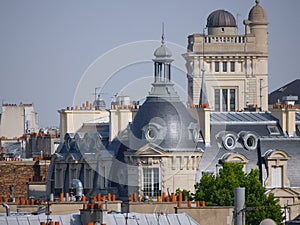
(277,154)
(234,157)
(149,150)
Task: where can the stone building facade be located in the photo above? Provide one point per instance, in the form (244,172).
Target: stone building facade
(236,66)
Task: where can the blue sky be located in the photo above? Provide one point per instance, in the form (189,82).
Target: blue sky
(47,46)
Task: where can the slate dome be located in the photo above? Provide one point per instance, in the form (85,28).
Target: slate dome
(221,18)
(165,123)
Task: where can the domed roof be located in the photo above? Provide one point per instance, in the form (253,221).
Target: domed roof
(257,14)
(163,123)
(221,18)
(162,51)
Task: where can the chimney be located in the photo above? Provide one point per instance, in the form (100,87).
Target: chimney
(286,114)
(204,124)
(120,116)
(97,216)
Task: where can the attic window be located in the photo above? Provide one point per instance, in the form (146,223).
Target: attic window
(229,141)
(151,134)
(273,130)
(222,29)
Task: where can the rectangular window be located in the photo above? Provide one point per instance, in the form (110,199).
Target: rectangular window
(151,182)
(217,100)
(224,66)
(232,100)
(217,67)
(232,66)
(224,100)
(276,176)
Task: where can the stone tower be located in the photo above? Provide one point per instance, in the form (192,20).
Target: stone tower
(236,65)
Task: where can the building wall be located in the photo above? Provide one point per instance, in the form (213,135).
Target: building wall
(208,215)
(176,170)
(12,122)
(40,146)
(19,173)
(152,207)
(120,117)
(221,215)
(179,171)
(71,120)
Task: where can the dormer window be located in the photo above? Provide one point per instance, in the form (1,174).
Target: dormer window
(276,164)
(273,130)
(234,158)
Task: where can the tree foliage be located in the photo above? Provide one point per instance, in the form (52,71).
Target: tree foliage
(219,190)
(185,194)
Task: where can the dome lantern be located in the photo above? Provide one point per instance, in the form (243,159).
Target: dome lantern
(162,62)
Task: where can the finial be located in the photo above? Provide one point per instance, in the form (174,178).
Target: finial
(163,34)
(257,2)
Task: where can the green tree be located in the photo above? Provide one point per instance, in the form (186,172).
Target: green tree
(219,190)
(185,193)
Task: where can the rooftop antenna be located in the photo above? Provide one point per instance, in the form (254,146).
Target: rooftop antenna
(95,93)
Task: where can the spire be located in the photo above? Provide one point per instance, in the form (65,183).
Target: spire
(163,52)
(257,2)
(163,34)
(203,93)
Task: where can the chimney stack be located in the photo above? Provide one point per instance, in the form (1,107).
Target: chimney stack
(286,114)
